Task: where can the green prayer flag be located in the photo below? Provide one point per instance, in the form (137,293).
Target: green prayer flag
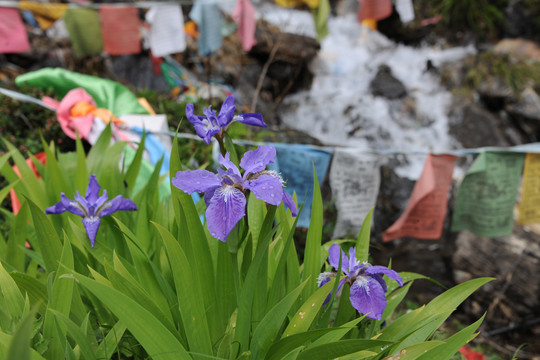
(487,195)
(320,17)
(84,29)
(107,94)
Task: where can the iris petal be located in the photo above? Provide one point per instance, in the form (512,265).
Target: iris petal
(228,164)
(289,202)
(367,296)
(191,181)
(267,188)
(333,258)
(256,160)
(254,119)
(119,203)
(226,208)
(64,205)
(385,271)
(91,225)
(226,113)
(92,191)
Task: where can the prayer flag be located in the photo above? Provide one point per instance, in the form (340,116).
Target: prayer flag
(374,9)
(13,37)
(529,209)
(405,10)
(84,31)
(426,210)
(244,16)
(294,3)
(208,17)
(354,180)
(487,195)
(120,27)
(295,163)
(320,18)
(167,29)
(46,14)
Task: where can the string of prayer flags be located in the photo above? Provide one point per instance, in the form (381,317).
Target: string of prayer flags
(487,194)
(46,14)
(207,15)
(354,179)
(295,163)
(13,37)
(244,15)
(84,29)
(426,210)
(120,28)
(167,34)
(529,210)
(320,18)
(405,10)
(374,9)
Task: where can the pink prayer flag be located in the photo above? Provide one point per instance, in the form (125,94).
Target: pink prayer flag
(244,15)
(13,37)
(374,9)
(425,212)
(120,28)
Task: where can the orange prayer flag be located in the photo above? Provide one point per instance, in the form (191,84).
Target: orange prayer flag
(425,212)
(45,13)
(15,203)
(120,28)
(374,9)
(529,209)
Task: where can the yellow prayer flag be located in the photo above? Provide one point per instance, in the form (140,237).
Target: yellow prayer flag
(294,3)
(45,13)
(529,209)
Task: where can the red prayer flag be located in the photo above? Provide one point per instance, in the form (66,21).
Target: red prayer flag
(424,215)
(13,37)
(120,28)
(15,203)
(374,9)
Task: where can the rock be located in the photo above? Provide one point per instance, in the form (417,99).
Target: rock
(386,85)
(494,93)
(473,126)
(525,114)
(514,261)
(138,71)
(521,19)
(519,47)
(527,106)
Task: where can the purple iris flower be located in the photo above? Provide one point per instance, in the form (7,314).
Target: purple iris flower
(367,285)
(212,124)
(91,207)
(225,192)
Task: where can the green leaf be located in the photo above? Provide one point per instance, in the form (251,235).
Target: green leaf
(362,244)
(158,342)
(49,244)
(303,318)
(189,296)
(243,325)
(312,254)
(231,149)
(135,166)
(81,175)
(107,347)
(14,252)
(415,351)
(339,348)
(98,152)
(453,343)
(339,333)
(268,328)
(13,298)
(285,345)
(78,336)
(36,291)
(19,346)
